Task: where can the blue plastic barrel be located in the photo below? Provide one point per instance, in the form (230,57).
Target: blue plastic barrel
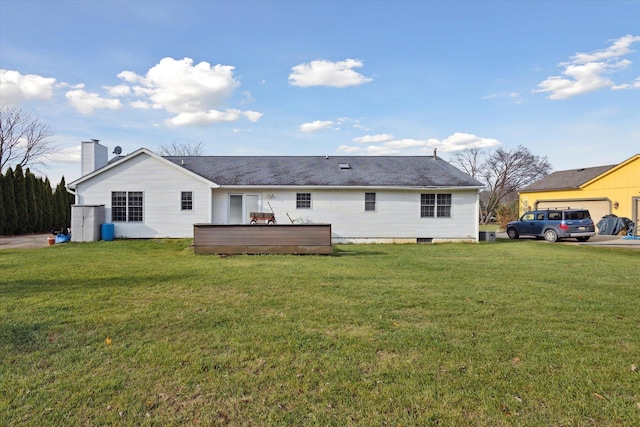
(108,232)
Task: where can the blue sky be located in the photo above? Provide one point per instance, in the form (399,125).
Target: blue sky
(561,78)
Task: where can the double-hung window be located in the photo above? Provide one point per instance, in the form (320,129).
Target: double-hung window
(303,201)
(127,206)
(186,201)
(443,205)
(119,206)
(369,201)
(435,205)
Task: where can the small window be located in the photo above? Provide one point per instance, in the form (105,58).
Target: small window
(369,201)
(303,200)
(186,201)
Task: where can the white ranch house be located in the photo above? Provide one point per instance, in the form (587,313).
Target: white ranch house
(366,199)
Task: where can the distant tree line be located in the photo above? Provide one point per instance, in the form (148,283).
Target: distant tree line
(28,204)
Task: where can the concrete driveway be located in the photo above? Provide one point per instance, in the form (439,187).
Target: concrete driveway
(28,241)
(598,240)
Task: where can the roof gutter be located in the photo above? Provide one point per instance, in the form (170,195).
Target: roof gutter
(354,187)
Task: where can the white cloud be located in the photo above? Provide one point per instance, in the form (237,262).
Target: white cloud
(128,76)
(253,116)
(194,94)
(369,139)
(349,149)
(456,142)
(180,87)
(86,102)
(16,88)
(199,118)
(327,73)
(69,86)
(461,141)
(202,118)
(634,85)
(514,96)
(119,90)
(65,155)
(619,47)
(586,72)
(406,143)
(377,150)
(247,97)
(141,105)
(315,126)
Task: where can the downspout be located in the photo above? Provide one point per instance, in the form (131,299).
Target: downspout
(72,191)
(477,226)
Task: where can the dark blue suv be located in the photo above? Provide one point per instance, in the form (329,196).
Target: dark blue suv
(553,225)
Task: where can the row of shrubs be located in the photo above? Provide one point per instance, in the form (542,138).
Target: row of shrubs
(28,204)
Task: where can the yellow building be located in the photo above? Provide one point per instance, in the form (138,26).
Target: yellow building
(604,190)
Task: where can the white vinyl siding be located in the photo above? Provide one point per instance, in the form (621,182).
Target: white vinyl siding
(396,213)
(161,185)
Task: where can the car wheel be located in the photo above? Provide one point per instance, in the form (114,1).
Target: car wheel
(550,236)
(583,239)
(512,233)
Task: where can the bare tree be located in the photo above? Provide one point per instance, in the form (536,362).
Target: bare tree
(182,149)
(503,171)
(470,160)
(24,140)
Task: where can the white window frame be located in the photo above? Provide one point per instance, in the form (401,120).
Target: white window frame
(300,200)
(437,206)
(186,204)
(130,206)
(370,202)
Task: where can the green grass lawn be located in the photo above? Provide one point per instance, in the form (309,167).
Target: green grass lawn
(147,333)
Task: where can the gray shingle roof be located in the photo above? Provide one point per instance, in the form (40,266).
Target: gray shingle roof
(373,171)
(566,180)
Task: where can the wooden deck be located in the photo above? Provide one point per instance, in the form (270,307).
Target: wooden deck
(235,239)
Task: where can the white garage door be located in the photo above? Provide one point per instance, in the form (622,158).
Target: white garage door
(597,208)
